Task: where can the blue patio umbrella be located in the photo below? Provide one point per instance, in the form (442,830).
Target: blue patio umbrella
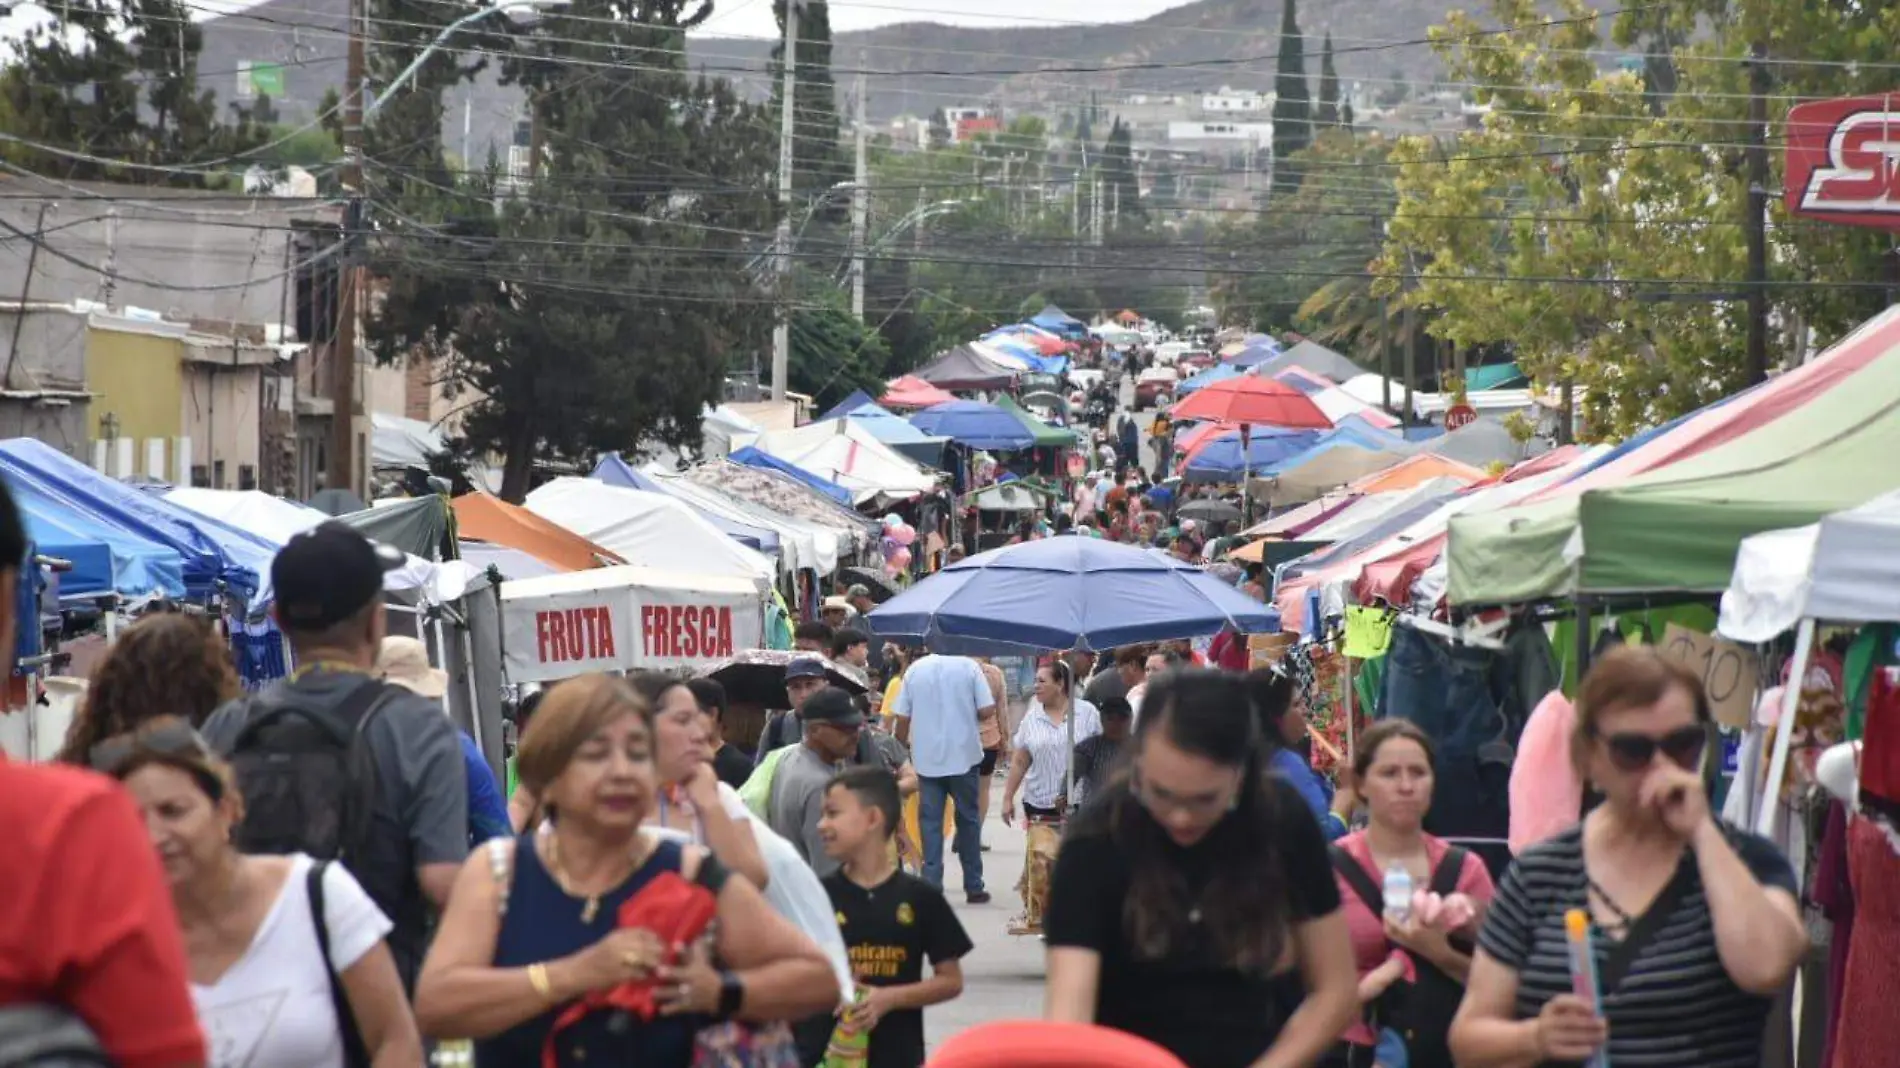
(975,424)
(1221,461)
(1254,356)
(1066,593)
(1220,372)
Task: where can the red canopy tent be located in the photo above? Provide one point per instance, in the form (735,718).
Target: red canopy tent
(1255,401)
(909,391)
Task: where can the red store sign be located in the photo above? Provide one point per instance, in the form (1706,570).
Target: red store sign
(1843,161)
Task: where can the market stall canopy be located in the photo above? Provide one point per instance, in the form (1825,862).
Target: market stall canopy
(1668,513)
(1483,443)
(105,558)
(857,399)
(1063,593)
(1012,496)
(1220,459)
(975,424)
(897,432)
(1220,372)
(964,367)
(1061,322)
(754,456)
(775,494)
(844,453)
(416,525)
(398,442)
(1255,401)
(1413,470)
(509,563)
(625,618)
(1371,509)
(724,429)
(1248,357)
(1315,357)
(652,530)
(1046,436)
(336,502)
(617,472)
(803,544)
(1327,467)
(1843,569)
(276,521)
(1494,376)
(909,391)
(491,519)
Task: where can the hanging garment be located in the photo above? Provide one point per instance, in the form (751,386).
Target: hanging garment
(1833,894)
(1871,986)
(1546,793)
(1880,747)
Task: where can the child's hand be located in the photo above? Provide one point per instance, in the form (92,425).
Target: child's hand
(866,1013)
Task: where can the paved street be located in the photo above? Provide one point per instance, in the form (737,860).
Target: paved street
(1002,979)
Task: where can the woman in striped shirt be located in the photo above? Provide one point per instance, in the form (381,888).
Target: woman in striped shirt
(1039,768)
(1695,924)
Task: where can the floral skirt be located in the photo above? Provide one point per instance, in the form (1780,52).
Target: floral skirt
(1039,861)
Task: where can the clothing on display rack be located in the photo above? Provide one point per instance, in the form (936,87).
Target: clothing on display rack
(1871,984)
(1445,690)
(1832,892)
(1546,791)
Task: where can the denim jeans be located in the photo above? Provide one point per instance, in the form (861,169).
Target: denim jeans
(961,790)
(1446,691)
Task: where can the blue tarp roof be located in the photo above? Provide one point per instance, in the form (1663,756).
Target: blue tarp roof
(976,424)
(856,400)
(105,559)
(1220,461)
(1220,372)
(1254,356)
(752,457)
(615,471)
(208,555)
(1337,438)
(1054,318)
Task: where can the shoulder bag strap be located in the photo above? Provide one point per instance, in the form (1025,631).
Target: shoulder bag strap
(355,1053)
(1645,928)
(1357,877)
(1450,867)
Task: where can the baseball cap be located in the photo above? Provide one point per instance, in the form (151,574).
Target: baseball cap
(831,705)
(805,667)
(327,574)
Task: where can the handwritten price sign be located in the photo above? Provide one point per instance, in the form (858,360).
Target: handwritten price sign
(1729,672)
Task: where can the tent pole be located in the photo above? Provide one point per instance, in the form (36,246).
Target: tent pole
(1784,730)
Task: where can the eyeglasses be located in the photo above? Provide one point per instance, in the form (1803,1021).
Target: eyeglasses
(1634,752)
(171,738)
(1163,803)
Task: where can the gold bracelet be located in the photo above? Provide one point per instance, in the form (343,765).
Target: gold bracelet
(538,978)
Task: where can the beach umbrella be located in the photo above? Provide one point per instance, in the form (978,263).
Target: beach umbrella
(1253,401)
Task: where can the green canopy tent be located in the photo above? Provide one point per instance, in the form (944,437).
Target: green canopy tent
(1676,528)
(1047,437)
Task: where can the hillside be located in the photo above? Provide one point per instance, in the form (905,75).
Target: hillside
(1205,44)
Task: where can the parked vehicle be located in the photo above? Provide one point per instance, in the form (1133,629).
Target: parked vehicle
(1155,387)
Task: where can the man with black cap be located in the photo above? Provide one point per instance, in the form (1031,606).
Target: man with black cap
(297,747)
(831,726)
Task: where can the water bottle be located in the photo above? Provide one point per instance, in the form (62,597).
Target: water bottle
(1398,893)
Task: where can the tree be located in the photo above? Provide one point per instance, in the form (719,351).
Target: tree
(1121,184)
(1292,102)
(600,307)
(1327,114)
(817,164)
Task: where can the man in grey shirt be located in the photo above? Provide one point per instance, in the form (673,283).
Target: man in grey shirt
(329,587)
(831,724)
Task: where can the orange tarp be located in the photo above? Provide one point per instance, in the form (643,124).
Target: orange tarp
(1414,470)
(488,518)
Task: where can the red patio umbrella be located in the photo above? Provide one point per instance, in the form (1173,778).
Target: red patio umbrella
(910,391)
(1255,401)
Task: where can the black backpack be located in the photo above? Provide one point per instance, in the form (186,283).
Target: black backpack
(1421,1011)
(307,775)
(46,1036)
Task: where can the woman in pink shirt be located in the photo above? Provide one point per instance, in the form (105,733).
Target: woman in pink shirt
(1411,970)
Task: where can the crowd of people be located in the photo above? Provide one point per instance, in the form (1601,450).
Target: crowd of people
(326,874)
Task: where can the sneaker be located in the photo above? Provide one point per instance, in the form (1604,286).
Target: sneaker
(983,848)
(978,897)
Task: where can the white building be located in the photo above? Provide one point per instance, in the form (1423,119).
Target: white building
(1218,135)
(1236,101)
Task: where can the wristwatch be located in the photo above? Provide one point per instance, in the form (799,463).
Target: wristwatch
(731,995)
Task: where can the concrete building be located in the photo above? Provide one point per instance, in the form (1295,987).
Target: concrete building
(1243,102)
(1211,135)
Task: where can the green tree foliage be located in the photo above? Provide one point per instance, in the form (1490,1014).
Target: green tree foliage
(817,164)
(601,305)
(1121,183)
(118,80)
(1327,113)
(832,352)
(1293,100)
(1594,221)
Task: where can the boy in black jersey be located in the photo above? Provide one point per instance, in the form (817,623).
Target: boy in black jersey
(891,920)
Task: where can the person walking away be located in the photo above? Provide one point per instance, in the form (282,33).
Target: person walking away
(1698,923)
(732,764)
(1192,903)
(992,737)
(91,935)
(939,710)
(831,724)
(1281,729)
(1039,768)
(1097,758)
(289,966)
(167,663)
(691,799)
(1412,964)
(532,932)
(404,662)
(893,922)
(332,761)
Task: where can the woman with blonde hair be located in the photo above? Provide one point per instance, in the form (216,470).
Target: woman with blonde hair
(166,664)
(532,928)
(289,967)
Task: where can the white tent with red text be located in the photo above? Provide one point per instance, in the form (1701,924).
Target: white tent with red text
(625,618)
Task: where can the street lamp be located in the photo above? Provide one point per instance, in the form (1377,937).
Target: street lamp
(442,38)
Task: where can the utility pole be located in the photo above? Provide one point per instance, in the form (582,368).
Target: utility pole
(1411,365)
(1756,221)
(860,211)
(109,277)
(788,107)
(340,471)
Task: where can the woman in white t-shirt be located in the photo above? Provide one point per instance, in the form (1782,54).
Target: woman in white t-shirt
(259,978)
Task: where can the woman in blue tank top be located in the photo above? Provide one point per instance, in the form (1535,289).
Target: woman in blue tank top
(531,926)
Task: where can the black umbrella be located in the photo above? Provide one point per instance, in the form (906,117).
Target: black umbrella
(757,676)
(874,581)
(1209,510)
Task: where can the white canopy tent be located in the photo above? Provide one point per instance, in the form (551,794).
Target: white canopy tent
(1844,569)
(625,618)
(653,530)
(842,451)
(399,442)
(802,544)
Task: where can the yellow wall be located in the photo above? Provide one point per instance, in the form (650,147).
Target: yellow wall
(139,379)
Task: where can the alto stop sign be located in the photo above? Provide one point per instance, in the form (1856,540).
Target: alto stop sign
(1460,415)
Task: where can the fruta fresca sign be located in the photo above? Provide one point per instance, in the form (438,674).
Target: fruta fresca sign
(1843,161)
(622,629)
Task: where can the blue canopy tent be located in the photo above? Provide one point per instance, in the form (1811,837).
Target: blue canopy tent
(1060,323)
(897,432)
(1220,372)
(79,488)
(615,471)
(856,400)
(765,461)
(1253,356)
(975,424)
(1029,354)
(105,559)
(1220,460)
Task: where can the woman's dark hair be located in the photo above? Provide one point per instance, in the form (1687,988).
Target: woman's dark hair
(1065,675)
(710,695)
(167,664)
(1382,732)
(655,685)
(1271,695)
(1245,907)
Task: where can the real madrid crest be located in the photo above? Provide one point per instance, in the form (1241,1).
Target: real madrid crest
(905,915)
(840,919)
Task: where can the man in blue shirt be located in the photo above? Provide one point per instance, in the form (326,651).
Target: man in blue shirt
(405,662)
(937,710)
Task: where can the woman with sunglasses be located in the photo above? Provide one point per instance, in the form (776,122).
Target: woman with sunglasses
(1193,904)
(1695,924)
(271,940)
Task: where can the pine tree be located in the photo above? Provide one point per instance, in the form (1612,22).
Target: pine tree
(1292,104)
(817,164)
(1327,114)
(1121,185)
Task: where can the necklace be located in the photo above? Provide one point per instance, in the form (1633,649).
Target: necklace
(590,903)
(1623,918)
